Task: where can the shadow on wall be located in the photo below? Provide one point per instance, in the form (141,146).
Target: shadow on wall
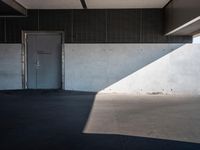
(55,121)
(94,67)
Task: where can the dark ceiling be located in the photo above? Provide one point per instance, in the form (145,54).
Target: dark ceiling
(6,10)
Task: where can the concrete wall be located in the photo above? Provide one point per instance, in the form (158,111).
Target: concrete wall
(111,68)
(10,66)
(133,68)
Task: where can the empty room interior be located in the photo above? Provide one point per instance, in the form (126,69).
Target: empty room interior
(100,75)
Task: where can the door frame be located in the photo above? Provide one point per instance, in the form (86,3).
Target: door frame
(24,56)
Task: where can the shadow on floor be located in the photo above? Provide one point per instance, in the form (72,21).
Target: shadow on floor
(55,120)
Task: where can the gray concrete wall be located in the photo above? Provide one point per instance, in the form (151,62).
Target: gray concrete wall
(133,68)
(10,66)
(117,68)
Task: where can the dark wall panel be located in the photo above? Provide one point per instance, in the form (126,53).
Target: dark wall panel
(15,26)
(2,30)
(89,26)
(179,39)
(123,26)
(152,26)
(93,26)
(59,20)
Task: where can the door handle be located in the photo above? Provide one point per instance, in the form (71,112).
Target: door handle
(37,64)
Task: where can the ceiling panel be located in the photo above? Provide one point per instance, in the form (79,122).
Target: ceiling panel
(126,3)
(92,4)
(51,4)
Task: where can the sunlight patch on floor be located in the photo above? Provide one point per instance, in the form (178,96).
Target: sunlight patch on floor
(163,117)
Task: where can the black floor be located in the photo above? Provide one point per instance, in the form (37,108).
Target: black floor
(54,120)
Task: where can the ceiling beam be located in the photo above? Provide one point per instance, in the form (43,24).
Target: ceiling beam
(12,4)
(83,3)
(182,17)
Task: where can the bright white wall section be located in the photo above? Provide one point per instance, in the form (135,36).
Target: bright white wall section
(10,66)
(133,68)
(196,40)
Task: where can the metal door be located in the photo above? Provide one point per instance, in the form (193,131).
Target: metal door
(44,61)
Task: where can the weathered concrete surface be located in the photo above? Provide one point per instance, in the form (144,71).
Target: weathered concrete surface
(138,69)
(10,66)
(162,117)
(49,120)
(133,68)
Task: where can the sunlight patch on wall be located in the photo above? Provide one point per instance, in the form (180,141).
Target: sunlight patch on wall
(176,73)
